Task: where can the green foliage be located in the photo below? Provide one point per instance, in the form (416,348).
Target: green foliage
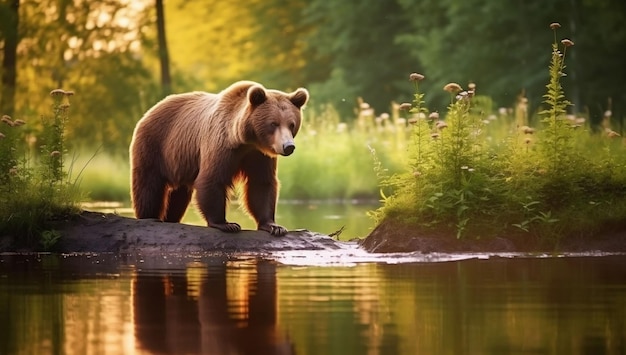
(36,188)
(470,180)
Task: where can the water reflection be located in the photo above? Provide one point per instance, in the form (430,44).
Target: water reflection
(105,304)
(227,308)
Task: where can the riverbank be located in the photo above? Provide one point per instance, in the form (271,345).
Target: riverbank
(391,237)
(111,233)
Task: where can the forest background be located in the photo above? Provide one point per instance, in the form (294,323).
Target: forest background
(109,54)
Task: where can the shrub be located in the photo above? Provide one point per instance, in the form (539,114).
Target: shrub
(463,179)
(35,186)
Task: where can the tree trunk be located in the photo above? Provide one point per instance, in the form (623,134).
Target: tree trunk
(9,59)
(166,81)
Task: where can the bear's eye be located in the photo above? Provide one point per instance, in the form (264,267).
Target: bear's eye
(275,125)
(292,126)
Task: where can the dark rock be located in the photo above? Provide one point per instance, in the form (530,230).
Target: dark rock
(98,233)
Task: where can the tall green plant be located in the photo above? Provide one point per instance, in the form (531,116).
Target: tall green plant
(37,188)
(556,140)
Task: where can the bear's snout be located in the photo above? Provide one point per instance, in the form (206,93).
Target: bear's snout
(288,148)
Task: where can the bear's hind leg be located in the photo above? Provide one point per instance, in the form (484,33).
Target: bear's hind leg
(148,194)
(177,204)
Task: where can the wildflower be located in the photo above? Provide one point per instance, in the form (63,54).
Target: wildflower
(401,121)
(413,120)
(441,125)
(464,167)
(368,112)
(492,117)
(555,25)
(452,88)
(580,120)
(19,122)
(6,119)
(342,127)
(462,95)
(57,93)
(435,135)
(608,113)
(405,106)
(384,116)
(471,86)
(612,134)
(527,140)
(365,106)
(567,43)
(416,77)
(69,93)
(502,111)
(433,116)
(55,153)
(416,173)
(13,170)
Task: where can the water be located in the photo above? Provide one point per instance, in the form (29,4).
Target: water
(319,216)
(350,303)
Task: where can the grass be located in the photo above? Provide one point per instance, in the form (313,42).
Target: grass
(332,160)
(470,176)
(105,177)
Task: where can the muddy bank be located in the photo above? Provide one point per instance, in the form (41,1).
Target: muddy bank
(391,237)
(99,232)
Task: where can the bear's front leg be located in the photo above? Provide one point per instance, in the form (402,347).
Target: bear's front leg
(211,198)
(261,192)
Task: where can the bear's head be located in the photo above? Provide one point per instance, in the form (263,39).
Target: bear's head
(275,118)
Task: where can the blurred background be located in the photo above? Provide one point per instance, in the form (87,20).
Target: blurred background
(121,57)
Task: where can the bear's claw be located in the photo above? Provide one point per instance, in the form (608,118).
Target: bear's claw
(226,227)
(273,229)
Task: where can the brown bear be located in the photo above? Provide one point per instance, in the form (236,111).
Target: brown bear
(208,142)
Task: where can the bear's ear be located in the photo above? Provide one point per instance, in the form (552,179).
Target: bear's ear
(299,97)
(256,95)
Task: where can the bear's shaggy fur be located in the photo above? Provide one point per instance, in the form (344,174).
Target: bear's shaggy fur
(207,142)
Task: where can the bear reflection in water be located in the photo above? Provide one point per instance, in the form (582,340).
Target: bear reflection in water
(219,309)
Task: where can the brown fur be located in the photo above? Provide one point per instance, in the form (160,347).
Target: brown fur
(207,142)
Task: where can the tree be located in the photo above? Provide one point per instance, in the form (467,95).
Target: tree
(504,47)
(356,43)
(92,48)
(9,14)
(166,81)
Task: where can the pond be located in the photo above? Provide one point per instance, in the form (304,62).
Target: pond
(311,303)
